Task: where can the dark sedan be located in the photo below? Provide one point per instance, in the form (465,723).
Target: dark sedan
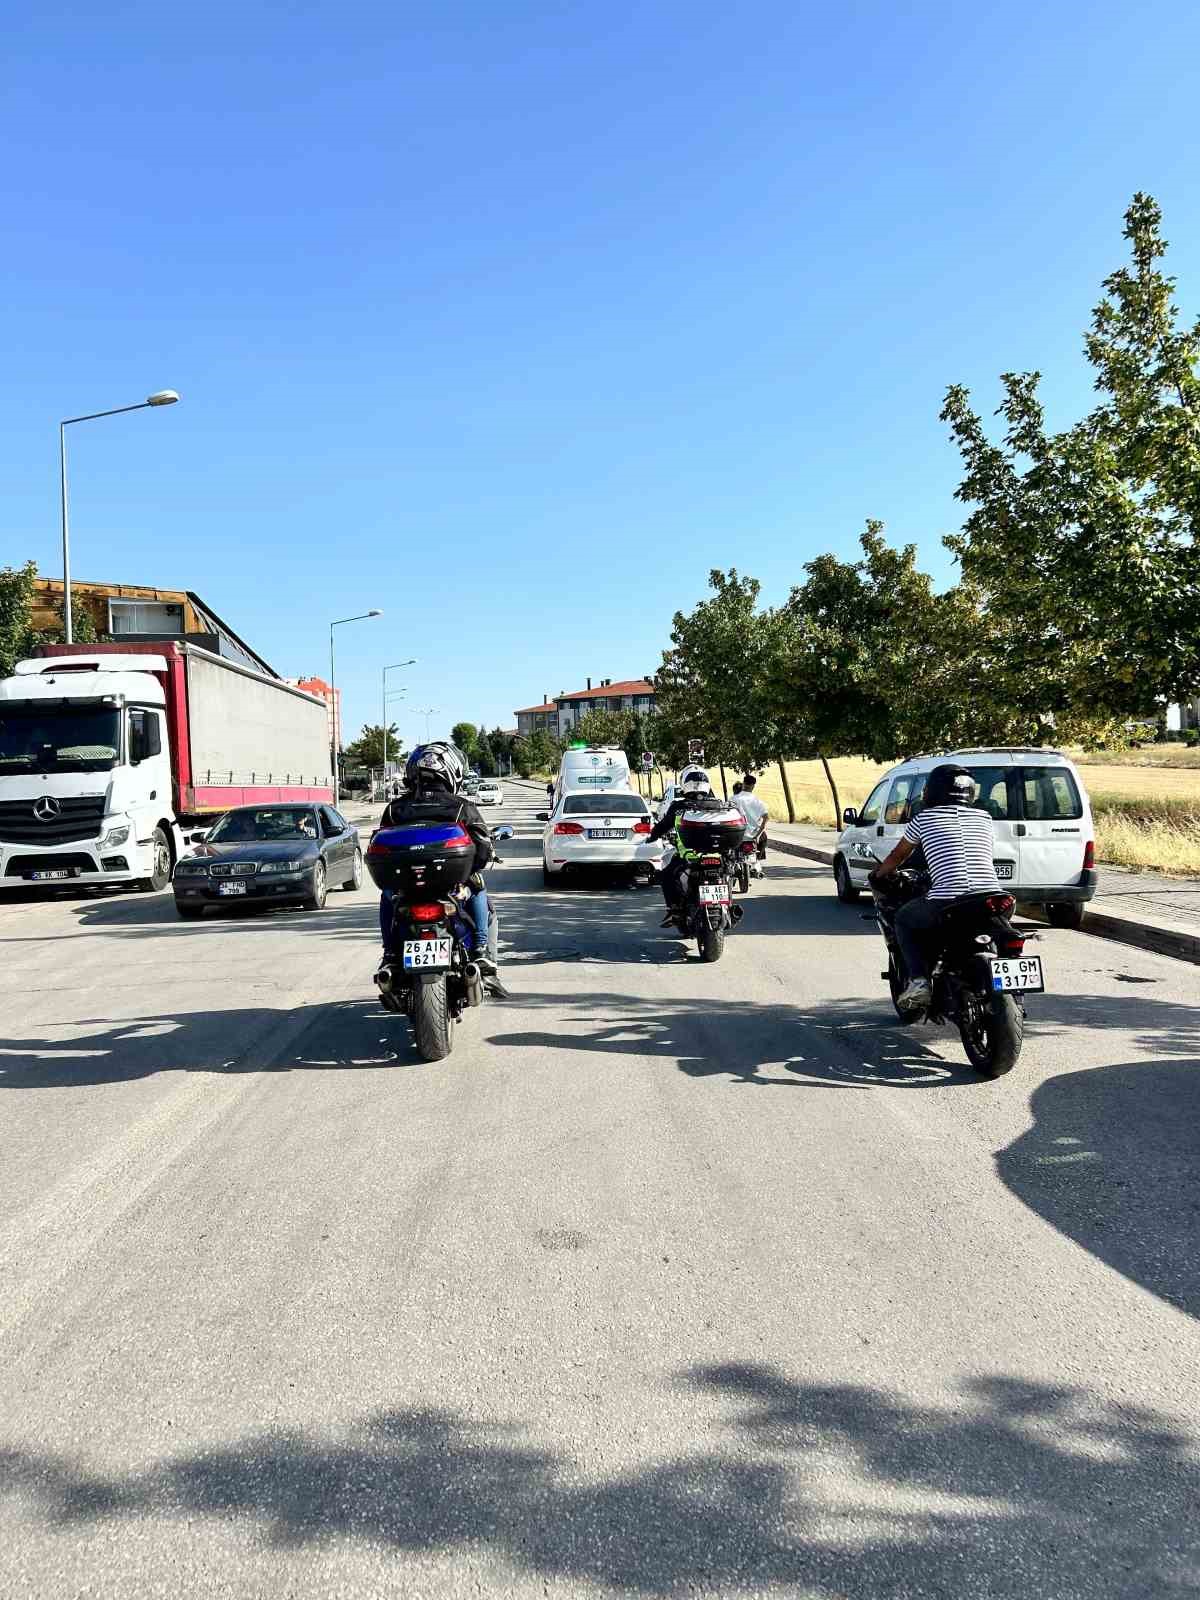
(281,854)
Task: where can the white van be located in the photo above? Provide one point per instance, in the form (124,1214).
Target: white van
(1041,817)
(593,769)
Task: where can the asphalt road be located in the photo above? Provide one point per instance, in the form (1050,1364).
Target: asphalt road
(286,1312)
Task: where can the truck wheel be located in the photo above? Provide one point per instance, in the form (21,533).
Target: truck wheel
(432,1022)
(1069,915)
(355,880)
(315,899)
(161,875)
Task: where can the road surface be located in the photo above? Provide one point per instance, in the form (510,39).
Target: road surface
(673,1279)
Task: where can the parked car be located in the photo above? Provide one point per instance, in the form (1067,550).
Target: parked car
(597,830)
(272,854)
(489,793)
(1041,816)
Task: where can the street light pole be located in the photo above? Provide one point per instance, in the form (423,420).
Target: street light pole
(163,397)
(429,711)
(333,701)
(393,668)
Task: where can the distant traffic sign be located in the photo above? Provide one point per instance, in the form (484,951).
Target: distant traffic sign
(647,761)
(696,749)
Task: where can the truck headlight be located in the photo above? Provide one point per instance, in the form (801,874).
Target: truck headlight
(114,836)
(191,867)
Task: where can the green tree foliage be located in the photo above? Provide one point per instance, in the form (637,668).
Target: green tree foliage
(16,598)
(464,735)
(367,749)
(1082,544)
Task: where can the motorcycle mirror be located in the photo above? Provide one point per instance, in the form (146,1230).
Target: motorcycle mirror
(541,816)
(505,832)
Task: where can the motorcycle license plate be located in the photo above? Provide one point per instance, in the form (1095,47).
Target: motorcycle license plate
(714,894)
(1017,972)
(231,888)
(45,877)
(608,833)
(1005,870)
(424,953)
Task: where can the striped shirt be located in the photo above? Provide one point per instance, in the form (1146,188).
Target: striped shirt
(958,843)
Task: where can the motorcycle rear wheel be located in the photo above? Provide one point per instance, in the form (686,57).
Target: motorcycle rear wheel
(711,943)
(992,1029)
(433,1025)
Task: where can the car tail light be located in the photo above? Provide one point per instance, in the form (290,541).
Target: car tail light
(1089,855)
(1003,903)
(641,827)
(426,913)
(568,827)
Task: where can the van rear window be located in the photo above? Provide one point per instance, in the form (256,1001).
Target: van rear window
(1051,794)
(613,805)
(991,790)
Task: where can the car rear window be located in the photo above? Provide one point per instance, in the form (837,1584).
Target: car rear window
(1051,794)
(612,805)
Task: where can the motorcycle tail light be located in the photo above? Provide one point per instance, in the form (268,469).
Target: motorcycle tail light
(426,913)
(568,827)
(1012,947)
(749,847)
(710,861)
(458,840)
(1089,855)
(1002,903)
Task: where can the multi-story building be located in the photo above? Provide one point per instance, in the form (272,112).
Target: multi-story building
(138,613)
(559,715)
(333,704)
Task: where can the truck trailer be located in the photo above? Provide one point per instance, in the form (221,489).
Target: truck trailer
(110,752)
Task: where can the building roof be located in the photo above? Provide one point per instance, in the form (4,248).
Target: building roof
(603,691)
(526,711)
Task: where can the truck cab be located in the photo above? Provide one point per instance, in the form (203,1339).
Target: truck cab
(85,773)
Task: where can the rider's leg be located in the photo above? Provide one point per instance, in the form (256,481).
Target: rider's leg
(485,938)
(915,923)
(385,920)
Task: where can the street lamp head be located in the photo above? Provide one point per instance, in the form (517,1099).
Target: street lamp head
(374,613)
(162,397)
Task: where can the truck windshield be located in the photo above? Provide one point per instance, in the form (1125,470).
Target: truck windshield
(59,738)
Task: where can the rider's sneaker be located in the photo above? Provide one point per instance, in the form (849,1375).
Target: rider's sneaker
(669,920)
(495,989)
(485,963)
(916,997)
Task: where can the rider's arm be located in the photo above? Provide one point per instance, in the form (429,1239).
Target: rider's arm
(666,822)
(904,848)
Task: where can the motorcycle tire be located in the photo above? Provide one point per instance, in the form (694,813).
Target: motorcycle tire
(895,984)
(995,1043)
(432,1023)
(711,943)
(743,880)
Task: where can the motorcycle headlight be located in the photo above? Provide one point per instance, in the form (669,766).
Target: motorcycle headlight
(191,867)
(114,836)
(280,866)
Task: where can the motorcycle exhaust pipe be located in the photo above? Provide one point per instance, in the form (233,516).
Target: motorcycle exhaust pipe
(474,984)
(736,913)
(383,979)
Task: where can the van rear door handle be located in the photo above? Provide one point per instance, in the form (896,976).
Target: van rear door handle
(1019,830)
(879,832)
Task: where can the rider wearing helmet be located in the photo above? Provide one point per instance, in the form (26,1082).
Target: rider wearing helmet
(958,843)
(694,787)
(433,776)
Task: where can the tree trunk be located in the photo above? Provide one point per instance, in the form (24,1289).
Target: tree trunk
(837,804)
(787,791)
(724,785)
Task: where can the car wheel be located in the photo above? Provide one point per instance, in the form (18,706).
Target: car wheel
(356,878)
(315,900)
(549,879)
(846,892)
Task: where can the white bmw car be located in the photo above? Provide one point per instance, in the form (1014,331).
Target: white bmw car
(597,830)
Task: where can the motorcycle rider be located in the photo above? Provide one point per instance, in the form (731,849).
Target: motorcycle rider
(958,841)
(694,786)
(755,812)
(433,776)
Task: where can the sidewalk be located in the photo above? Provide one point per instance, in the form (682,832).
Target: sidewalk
(1141,908)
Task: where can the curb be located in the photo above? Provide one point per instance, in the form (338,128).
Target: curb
(1164,938)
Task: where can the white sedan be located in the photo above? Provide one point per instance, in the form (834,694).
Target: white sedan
(489,793)
(597,830)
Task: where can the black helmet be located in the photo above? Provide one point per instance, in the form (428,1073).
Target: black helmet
(949,785)
(435,766)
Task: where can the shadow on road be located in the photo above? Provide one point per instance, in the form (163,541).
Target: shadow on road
(1016,1489)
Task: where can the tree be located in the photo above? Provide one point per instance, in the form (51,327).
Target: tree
(1083,544)
(16,599)
(367,749)
(485,757)
(464,736)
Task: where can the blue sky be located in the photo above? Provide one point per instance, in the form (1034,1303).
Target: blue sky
(513,320)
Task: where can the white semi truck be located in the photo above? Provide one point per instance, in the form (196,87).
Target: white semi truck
(109,753)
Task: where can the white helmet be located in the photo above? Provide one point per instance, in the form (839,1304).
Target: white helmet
(695,781)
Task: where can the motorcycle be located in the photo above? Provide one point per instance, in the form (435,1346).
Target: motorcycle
(705,911)
(433,979)
(748,864)
(979,972)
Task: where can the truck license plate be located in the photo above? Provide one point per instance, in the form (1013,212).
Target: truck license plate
(58,872)
(1017,972)
(231,888)
(427,953)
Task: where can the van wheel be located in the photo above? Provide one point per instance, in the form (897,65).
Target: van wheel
(846,892)
(1069,915)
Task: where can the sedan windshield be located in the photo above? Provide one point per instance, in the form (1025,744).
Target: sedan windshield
(264,825)
(612,805)
(59,738)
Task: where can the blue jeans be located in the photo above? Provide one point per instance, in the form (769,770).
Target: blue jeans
(479,910)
